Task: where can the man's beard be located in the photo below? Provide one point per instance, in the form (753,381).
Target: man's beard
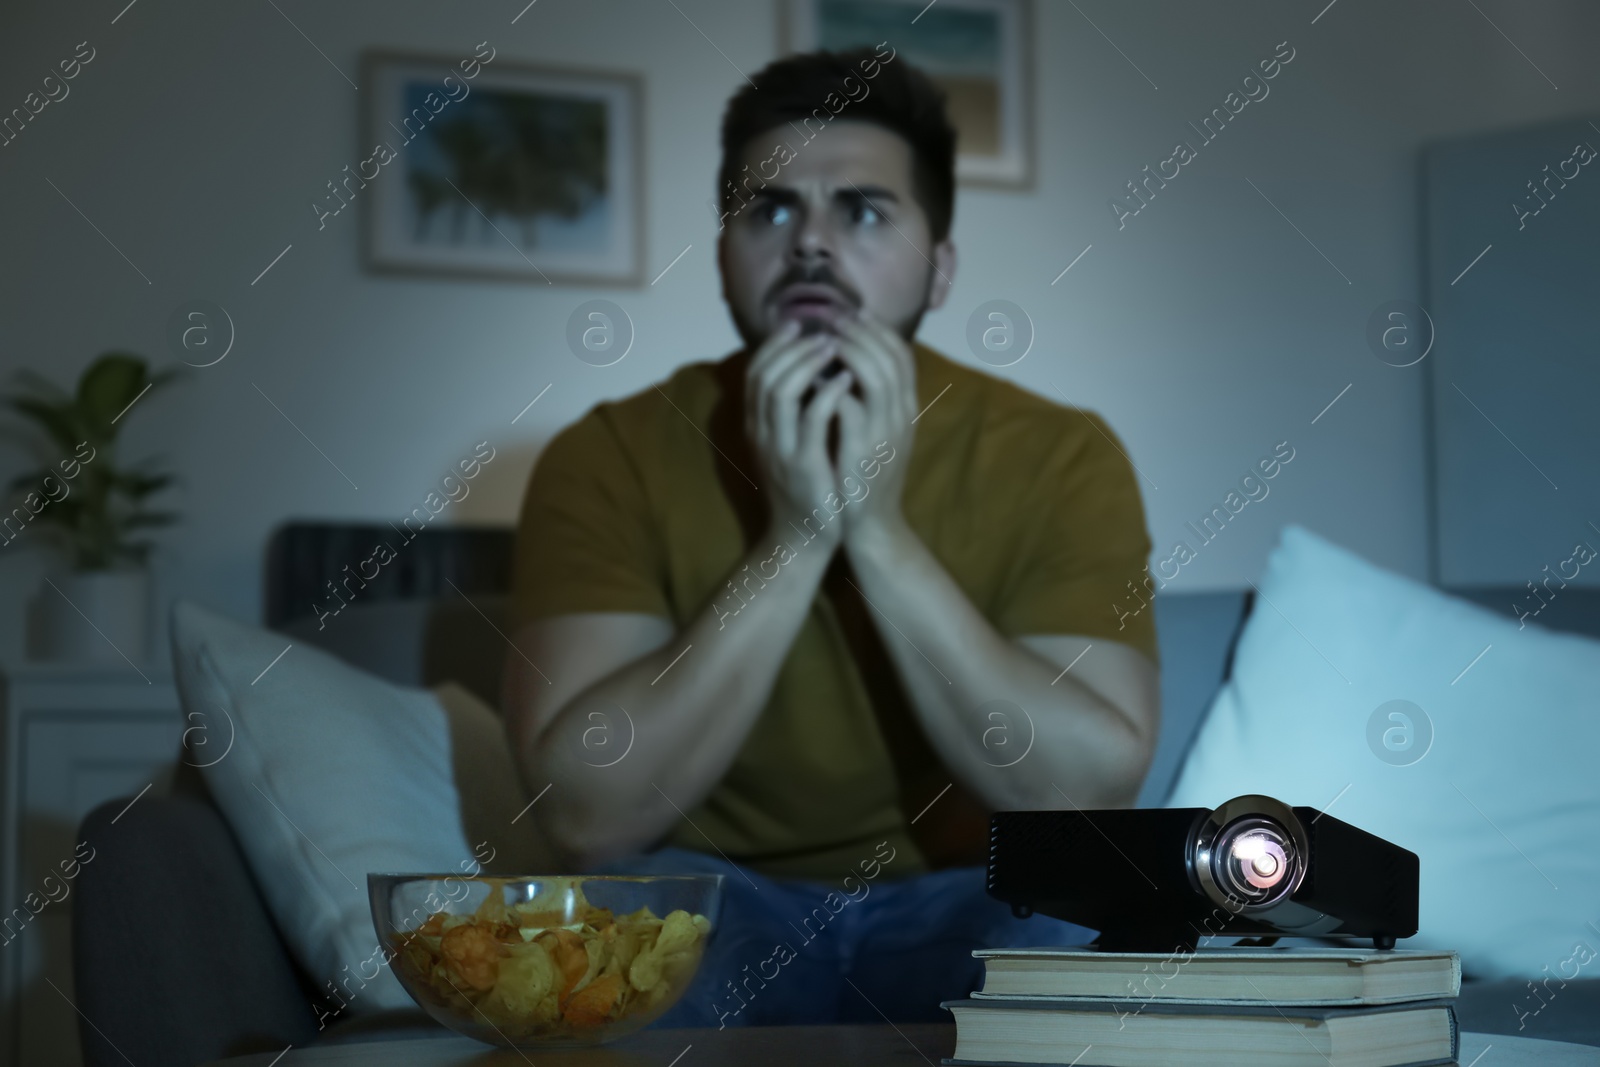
(754,334)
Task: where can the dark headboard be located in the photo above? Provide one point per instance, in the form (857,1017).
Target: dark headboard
(303,557)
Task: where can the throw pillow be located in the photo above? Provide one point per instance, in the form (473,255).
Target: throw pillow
(333,773)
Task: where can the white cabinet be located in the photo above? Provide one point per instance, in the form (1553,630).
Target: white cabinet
(74,736)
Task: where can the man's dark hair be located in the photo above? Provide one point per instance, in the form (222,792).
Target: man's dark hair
(899,97)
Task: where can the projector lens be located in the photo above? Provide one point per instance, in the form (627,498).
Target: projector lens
(1249,854)
(1252,859)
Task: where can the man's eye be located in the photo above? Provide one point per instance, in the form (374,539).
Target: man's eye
(865,212)
(776,214)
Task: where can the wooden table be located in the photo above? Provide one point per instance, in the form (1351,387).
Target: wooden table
(911,1045)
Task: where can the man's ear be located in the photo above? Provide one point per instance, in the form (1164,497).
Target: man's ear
(944,259)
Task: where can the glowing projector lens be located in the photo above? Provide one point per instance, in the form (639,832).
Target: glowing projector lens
(1254,858)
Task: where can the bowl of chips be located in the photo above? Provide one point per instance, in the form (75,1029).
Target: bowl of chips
(552,961)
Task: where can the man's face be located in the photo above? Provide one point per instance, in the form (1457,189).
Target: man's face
(836,229)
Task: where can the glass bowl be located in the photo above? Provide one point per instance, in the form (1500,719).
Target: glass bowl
(548,961)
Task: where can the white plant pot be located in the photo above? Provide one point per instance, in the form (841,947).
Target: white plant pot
(94,617)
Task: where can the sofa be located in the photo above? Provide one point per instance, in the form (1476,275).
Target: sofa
(212,977)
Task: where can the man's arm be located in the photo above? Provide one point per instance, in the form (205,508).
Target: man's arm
(680,706)
(1089,733)
(1092,728)
(616,683)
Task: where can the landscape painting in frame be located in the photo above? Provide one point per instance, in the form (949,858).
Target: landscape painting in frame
(514,172)
(975,50)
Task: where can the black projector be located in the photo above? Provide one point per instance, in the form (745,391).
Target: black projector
(1159,879)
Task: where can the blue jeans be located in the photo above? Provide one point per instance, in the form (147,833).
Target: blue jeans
(893,950)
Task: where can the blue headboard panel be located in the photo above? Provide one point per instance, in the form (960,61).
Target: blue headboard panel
(1513,287)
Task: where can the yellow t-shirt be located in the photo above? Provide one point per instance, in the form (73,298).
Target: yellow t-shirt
(649,504)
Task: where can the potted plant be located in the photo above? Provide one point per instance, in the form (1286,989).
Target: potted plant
(87,504)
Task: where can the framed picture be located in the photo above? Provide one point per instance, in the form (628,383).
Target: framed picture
(975,50)
(516,172)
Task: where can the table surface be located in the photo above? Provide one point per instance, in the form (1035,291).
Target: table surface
(783,1046)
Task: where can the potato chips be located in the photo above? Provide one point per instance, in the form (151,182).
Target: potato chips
(551,967)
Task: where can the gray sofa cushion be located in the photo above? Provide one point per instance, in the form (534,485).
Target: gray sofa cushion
(1195,632)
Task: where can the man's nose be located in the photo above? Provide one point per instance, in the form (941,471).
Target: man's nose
(813,239)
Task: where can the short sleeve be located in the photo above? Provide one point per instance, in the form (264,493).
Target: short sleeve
(1084,568)
(585,540)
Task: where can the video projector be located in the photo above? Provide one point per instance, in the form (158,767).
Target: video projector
(1159,879)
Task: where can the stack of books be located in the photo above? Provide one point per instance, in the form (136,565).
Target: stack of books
(1228,1007)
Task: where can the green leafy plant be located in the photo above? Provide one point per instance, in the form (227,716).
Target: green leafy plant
(102,506)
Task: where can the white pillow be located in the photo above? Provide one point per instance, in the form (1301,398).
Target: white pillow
(333,773)
(1503,807)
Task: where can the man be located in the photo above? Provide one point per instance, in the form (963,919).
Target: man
(805,616)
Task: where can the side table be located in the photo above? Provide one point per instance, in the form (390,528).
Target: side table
(72,736)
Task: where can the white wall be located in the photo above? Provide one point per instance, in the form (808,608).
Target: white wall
(1206,330)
